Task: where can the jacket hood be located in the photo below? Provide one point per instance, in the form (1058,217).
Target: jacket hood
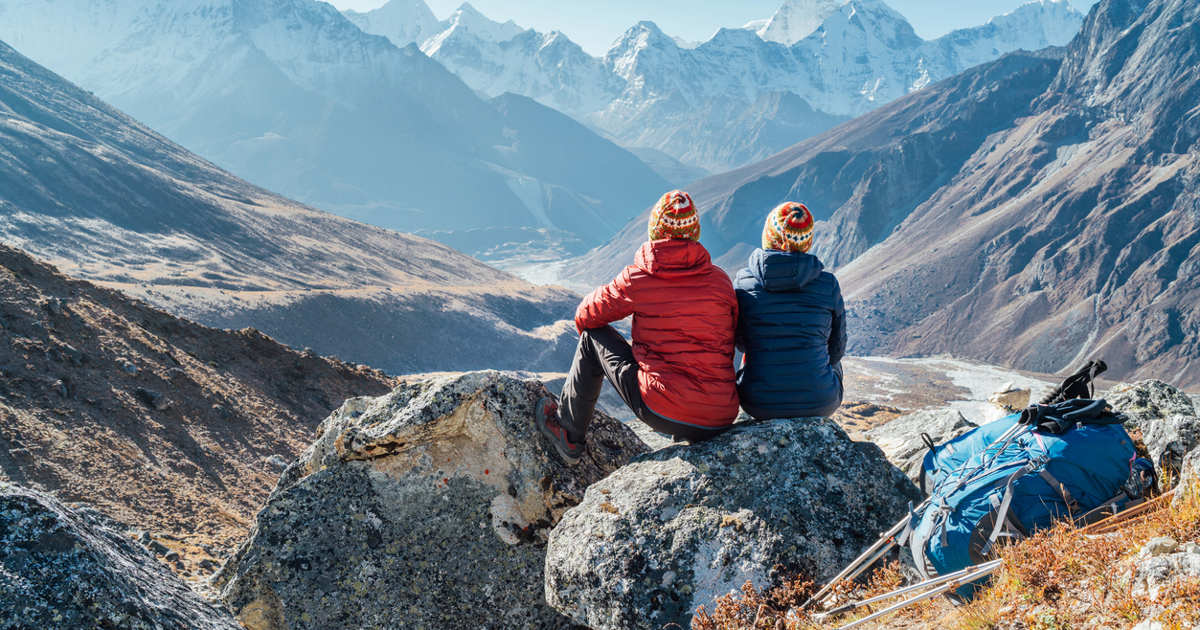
(671,256)
(784,271)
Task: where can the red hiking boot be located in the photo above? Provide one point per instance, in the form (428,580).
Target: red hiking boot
(546,416)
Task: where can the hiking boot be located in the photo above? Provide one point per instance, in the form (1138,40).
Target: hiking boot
(546,416)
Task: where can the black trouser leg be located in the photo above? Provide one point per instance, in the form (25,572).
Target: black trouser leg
(602,353)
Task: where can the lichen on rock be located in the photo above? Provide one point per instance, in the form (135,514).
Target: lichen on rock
(63,567)
(427,507)
(676,528)
(1165,417)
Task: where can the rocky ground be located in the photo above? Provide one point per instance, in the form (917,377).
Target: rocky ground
(425,508)
(176,429)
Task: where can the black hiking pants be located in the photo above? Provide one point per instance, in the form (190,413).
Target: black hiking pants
(604,353)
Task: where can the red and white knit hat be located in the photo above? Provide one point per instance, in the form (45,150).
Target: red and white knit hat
(675,216)
(789,228)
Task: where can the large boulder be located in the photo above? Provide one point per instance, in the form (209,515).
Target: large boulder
(902,440)
(677,528)
(74,568)
(425,508)
(1164,416)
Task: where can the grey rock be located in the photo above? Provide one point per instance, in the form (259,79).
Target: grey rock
(53,306)
(150,398)
(1189,475)
(73,568)
(128,367)
(678,527)
(1160,546)
(428,507)
(276,462)
(901,441)
(1150,400)
(1165,418)
(1154,572)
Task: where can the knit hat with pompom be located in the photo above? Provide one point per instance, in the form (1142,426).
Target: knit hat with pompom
(789,228)
(675,216)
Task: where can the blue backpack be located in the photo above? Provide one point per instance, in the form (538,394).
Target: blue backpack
(1006,480)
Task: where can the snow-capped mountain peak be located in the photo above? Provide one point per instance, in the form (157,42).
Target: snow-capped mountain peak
(795,20)
(1053,20)
(402,21)
(467,27)
(467,16)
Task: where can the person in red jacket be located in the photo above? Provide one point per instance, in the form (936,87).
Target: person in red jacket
(678,375)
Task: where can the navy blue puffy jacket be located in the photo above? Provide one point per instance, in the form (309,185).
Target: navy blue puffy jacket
(792,327)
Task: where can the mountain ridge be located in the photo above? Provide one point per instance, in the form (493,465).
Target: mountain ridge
(1043,206)
(709,105)
(292,96)
(86,187)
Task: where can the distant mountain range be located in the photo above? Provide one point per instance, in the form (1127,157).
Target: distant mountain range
(293,97)
(106,199)
(739,97)
(1034,211)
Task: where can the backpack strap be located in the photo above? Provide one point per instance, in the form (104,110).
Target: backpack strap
(1055,484)
(1002,509)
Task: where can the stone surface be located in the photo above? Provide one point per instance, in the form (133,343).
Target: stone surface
(1010,398)
(1160,546)
(1158,571)
(75,568)
(425,508)
(676,528)
(901,439)
(1189,476)
(1165,417)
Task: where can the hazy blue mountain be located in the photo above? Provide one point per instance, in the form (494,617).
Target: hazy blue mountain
(860,55)
(294,97)
(739,97)
(86,187)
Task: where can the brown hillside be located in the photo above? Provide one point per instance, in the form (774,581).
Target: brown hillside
(170,426)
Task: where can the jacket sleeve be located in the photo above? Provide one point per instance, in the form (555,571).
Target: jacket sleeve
(739,329)
(837,333)
(605,305)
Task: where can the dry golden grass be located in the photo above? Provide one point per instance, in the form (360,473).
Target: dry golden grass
(1058,579)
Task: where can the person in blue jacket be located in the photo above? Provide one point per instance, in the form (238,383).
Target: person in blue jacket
(792,324)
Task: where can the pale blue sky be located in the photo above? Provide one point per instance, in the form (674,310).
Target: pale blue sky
(595,24)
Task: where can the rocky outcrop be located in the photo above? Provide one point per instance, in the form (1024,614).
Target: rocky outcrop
(902,439)
(1011,398)
(676,528)
(1189,476)
(427,507)
(1163,415)
(74,568)
(1163,571)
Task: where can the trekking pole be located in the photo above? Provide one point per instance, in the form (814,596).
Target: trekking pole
(980,571)
(864,561)
(941,579)
(1137,512)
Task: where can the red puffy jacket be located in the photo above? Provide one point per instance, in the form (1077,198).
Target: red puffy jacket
(684,313)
